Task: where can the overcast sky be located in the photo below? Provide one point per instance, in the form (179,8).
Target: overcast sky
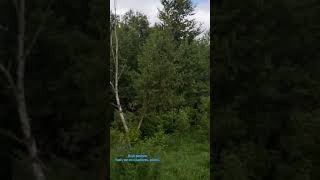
(149,8)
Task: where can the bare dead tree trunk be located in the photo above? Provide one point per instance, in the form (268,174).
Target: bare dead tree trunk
(21,102)
(115,86)
(19,92)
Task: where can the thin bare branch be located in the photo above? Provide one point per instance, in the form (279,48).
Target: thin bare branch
(112,86)
(9,79)
(143,112)
(121,73)
(12,136)
(112,51)
(114,105)
(117,48)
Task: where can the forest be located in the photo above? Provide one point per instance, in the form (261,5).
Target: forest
(265,107)
(160,84)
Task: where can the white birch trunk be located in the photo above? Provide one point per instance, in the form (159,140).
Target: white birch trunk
(116,76)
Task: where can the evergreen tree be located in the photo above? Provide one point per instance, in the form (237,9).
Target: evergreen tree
(175,18)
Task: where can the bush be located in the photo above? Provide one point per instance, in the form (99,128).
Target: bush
(182,120)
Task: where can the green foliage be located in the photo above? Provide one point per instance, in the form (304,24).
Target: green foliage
(176,121)
(203,115)
(266,90)
(165,84)
(157,73)
(134,135)
(182,156)
(175,18)
(182,121)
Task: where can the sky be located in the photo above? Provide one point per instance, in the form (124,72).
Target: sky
(149,8)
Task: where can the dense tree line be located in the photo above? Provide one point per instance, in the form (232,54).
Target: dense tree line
(266,90)
(163,89)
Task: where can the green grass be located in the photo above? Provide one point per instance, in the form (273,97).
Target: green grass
(182,156)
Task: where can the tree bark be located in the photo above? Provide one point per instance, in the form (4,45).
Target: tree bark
(18,89)
(116,76)
(20,97)
(121,114)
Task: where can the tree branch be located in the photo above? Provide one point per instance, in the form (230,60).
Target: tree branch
(143,112)
(12,136)
(121,73)
(112,52)
(9,79)
(115,106)
(112,86)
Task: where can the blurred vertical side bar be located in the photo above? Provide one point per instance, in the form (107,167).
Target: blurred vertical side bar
(108,108)
(212,25)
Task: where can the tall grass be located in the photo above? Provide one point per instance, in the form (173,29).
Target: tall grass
(182,156)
